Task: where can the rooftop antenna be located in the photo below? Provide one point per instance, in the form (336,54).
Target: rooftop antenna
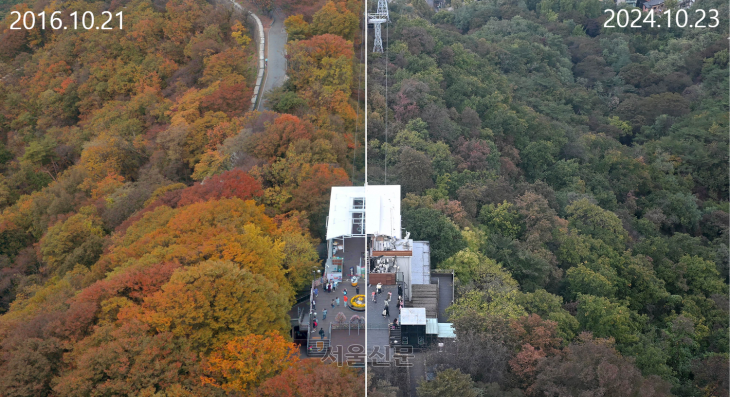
(380,17)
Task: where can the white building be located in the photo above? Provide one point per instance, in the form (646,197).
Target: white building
(364,222)
(347,214)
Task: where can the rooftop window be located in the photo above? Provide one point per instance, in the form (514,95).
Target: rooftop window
(358,203)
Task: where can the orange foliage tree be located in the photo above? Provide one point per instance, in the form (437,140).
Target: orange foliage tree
(314,59)
(227,229)
(213,302)
(311,377)
(244,362)
(129,360)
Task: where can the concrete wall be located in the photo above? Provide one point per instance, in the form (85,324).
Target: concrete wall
(260,39)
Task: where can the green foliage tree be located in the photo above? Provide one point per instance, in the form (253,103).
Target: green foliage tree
(502,218)
(449,382)
(598,223)
(607,319)
(430,225)
(77,240)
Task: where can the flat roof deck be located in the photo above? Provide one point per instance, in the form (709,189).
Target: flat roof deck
(377,324)
(446,294)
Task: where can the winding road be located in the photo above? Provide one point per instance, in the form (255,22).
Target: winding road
(276,53)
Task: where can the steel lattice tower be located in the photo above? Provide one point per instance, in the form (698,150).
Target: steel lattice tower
(380,17)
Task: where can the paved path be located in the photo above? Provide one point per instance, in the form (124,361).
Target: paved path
(276,54)
(377,324)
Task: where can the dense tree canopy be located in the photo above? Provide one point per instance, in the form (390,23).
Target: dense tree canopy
(153,230)
(567,171)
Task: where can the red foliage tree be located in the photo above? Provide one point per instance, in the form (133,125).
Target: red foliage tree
(473,154)
(133,284)
(232,99)
(76,322)
(12,42)
(277,136)
(405,108)
(592,367)
(230,184)
(538,339)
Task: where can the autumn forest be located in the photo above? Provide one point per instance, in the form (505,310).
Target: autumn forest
(155,231)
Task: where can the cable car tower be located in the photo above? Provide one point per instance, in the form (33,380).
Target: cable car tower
(380,17)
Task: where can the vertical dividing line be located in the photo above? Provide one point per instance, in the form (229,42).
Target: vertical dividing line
(387,61)
(367,265)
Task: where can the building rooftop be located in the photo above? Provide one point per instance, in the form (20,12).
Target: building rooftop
(413,316)
(446,330)
(347,206)
(432,326)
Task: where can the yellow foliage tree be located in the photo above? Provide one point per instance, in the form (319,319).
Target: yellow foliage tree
(296,28)
(214,302)
(240,34)
(335,19)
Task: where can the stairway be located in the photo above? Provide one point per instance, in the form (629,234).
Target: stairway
(318,347)
(394,337)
